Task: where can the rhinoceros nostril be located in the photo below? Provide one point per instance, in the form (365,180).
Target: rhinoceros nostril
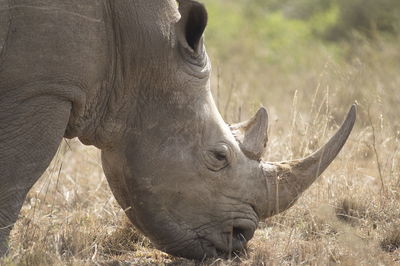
(239,234)
(239,238)
(236,235)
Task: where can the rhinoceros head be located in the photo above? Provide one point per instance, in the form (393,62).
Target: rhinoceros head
(193,184)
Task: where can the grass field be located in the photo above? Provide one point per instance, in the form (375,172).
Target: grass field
(350,216)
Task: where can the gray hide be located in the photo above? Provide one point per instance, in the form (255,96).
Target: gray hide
(132,78)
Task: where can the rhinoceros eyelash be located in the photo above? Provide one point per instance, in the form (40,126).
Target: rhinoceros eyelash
(220,156)
(216,160)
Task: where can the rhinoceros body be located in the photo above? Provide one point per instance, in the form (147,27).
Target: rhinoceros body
(132,78)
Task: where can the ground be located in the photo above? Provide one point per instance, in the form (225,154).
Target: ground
(351,215)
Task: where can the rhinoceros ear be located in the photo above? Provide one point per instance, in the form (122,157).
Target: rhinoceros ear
(192,23)
(252,134)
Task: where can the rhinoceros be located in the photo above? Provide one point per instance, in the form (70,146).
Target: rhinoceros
(133,79)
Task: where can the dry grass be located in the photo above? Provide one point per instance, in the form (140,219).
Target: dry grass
(350,216)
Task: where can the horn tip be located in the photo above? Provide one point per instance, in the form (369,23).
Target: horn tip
(351,116)
(262,112)
(353,107)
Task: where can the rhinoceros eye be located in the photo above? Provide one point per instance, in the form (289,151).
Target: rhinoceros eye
(217,157)
(220,156)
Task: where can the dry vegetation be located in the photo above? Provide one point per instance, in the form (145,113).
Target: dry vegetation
(350,216)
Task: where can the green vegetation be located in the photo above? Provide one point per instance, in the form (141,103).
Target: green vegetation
(271,31)
(306,20)
(264,36)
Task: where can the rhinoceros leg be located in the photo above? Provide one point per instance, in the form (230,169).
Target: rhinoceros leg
(31,129)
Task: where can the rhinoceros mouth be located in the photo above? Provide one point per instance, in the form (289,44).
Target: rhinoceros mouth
(202,248)
(212,242)
(235,239)
(231,240)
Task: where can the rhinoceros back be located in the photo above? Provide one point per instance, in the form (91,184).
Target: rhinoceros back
(53,40)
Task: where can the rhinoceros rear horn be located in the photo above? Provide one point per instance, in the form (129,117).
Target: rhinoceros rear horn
(252,134)
(193,22)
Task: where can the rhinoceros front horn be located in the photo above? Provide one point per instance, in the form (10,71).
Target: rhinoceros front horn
(286,181)
(252,134)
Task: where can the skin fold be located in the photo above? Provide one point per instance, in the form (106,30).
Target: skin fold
(133,79)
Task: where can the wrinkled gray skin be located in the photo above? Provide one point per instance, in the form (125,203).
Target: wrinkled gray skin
(132,78)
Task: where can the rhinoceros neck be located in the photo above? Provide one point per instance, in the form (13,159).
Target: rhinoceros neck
(141,32)
(148,91)
(139,37)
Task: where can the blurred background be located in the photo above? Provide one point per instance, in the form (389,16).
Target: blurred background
(274,52)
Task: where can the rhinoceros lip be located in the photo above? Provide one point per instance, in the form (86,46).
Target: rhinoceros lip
(232,240)
(209,244)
